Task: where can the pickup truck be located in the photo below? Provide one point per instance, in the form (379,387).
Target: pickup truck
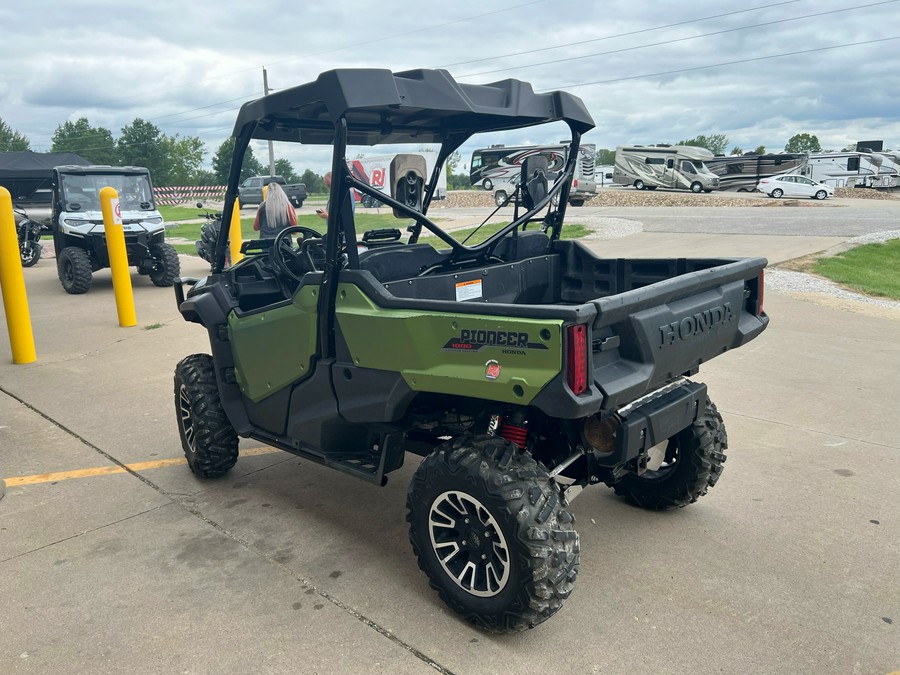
(251,190)
(522,368)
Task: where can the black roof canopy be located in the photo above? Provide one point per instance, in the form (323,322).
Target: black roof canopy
(29,164)
(416,106)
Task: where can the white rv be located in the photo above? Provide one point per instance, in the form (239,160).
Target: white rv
(668,166)
(889,174)
(844,169)
(499,168)
(376,170)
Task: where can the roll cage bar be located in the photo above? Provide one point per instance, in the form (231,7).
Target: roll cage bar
(377,107)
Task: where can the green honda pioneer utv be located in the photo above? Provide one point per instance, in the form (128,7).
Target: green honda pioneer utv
(522,368)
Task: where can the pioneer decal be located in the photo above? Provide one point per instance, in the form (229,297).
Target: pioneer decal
(474,340)
(696,324)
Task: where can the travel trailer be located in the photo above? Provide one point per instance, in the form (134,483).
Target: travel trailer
(741,173)
(844,169)
(668,166)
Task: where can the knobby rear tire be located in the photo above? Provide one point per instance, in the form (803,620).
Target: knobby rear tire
(696,455)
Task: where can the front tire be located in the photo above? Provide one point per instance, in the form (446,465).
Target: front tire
(488,528)
(168,266)
(692,464)
(821,194)
(696,187)
(73,266)
(488,184)
(210,442)
(30,253)
(501,198)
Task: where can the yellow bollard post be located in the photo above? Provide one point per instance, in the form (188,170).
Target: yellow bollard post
(265,191)
(118,256)
(235,239)
(12,285)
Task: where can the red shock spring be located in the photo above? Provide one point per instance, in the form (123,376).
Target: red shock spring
(516,434)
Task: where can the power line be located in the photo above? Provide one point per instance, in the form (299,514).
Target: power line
(618,35)
(676,40)
(726,63)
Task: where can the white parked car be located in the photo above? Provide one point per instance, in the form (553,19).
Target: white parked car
(793,185)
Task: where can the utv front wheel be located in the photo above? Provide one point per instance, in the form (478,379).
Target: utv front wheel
(167,266)
(73,266)
(209,441)
(487,527)
(691,464)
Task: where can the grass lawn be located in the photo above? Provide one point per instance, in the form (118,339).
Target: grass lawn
(873,269)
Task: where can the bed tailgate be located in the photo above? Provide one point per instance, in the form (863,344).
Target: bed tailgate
(643,338)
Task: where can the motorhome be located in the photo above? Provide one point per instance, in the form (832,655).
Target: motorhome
(668,166)
(741,173)
(844,169)
(499,167)
(375,171)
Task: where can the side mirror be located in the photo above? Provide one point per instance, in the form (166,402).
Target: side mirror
(408,181)
(534,180)
(199,205)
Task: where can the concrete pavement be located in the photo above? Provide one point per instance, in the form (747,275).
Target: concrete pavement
(125,562)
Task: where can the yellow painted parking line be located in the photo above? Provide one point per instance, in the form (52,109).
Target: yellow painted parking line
(110,470)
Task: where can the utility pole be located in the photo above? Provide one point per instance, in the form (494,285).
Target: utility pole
(271,150)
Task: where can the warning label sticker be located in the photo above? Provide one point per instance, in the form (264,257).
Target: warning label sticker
(468,290)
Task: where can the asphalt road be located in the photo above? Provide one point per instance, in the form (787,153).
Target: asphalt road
(833,218)
(114,558)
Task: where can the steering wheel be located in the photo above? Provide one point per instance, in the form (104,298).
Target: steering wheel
(288,258)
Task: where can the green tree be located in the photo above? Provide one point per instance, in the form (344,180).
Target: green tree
(760,150)
(715,143)
(11,140)
(221,163)
(205,177)
(453,161)
(736,151)
(95,144)
(605,157)
(803,143)
(314,182)
(284,168)
(142,143)
(458,181)
(184,156)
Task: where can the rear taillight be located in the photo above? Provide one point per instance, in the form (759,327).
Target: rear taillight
(575,183)
(763,181)
(762,288)
(577,359)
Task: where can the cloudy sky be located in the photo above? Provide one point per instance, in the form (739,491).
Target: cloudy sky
(758,71)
